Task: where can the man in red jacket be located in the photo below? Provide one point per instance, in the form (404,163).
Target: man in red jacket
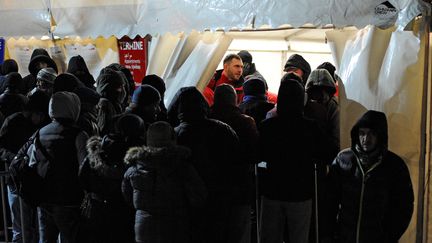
(230,74)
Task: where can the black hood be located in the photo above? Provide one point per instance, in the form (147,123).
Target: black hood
(78,67)
(298,61)
(291,96)
(374,120)
(40,55)
(189,104)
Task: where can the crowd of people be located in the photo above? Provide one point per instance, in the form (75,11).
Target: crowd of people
(122,167)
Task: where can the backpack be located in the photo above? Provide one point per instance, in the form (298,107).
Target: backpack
(28,170)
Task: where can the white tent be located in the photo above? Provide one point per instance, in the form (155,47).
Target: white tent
(386,70)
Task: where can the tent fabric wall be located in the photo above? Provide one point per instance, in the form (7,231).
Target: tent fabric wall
(91,18)
(383,70)
(186,60)
(97,53)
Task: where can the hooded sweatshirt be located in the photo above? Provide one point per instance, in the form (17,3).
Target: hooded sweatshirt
(78,67)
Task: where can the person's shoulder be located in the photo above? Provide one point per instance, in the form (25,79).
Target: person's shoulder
(344,159)
(394,160)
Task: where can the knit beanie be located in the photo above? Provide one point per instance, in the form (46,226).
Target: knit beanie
(160,134)
(145,95)
(298,61)
(156,82)
(329,67)
(245,56)
(66,82)
(225,94)
(38,101)
(47,75)
(254,87)
(65,105)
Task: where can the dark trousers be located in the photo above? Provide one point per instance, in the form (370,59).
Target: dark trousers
(55,220)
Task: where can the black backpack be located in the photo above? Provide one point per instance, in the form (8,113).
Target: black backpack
(28,170)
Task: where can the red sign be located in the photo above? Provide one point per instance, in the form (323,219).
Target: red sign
(133,55)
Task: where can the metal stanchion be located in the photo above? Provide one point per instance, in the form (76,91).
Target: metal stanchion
(257,198)
(23,235)
(4,196)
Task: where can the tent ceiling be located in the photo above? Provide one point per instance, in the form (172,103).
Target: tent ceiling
(131,17)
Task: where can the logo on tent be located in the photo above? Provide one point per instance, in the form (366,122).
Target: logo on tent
(385,9)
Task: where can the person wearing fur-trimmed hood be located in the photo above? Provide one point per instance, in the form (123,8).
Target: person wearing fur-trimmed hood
(162,186)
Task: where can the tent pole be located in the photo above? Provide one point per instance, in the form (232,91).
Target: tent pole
(424,137)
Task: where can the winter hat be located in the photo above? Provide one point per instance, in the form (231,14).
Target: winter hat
(329,67)
(160,134)
(146,95)
(190,104)
(130,125)
(225,94)
(87,95)
(291,95)
(66,82)
(254,87)
(14,81)
(298,61)
(245,56)
(40,55)
(77,64)
(64,105)
(38,101)
(9,66)
(321,78)
(156,82)
(47,75)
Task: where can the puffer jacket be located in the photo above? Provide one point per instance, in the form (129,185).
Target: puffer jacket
(162,185)
(373,204)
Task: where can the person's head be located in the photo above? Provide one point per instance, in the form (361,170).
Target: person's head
(255,87)
(14,82)
(233,67)
(189,104)
(320,86)
(156,82)
(160,134)
(45,80)
(225,95)
(37,107)
(291,95)
(370,132)
(40,59)
(145,102)
(247,62)
(9,66)
(64,107)
(66,82)
(110,85)
(130,126)
(298,65)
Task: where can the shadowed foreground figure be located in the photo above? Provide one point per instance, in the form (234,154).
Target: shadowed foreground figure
(370,196)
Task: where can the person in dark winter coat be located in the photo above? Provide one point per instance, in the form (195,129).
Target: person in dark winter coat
(159,84)
(12,100)
(215,150)
(370,195)
(65,145)
(255,102)
(251,73)
(106,216)
(128,81)
(15,132)
(145,103)
(78,67)
(111,88)
(298,65)
(132,129)
(226,110)
(87,120)
(296,144)
(162,185)
(321,104)
(45,81)
(8,66)
(39,59)
(230,74)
